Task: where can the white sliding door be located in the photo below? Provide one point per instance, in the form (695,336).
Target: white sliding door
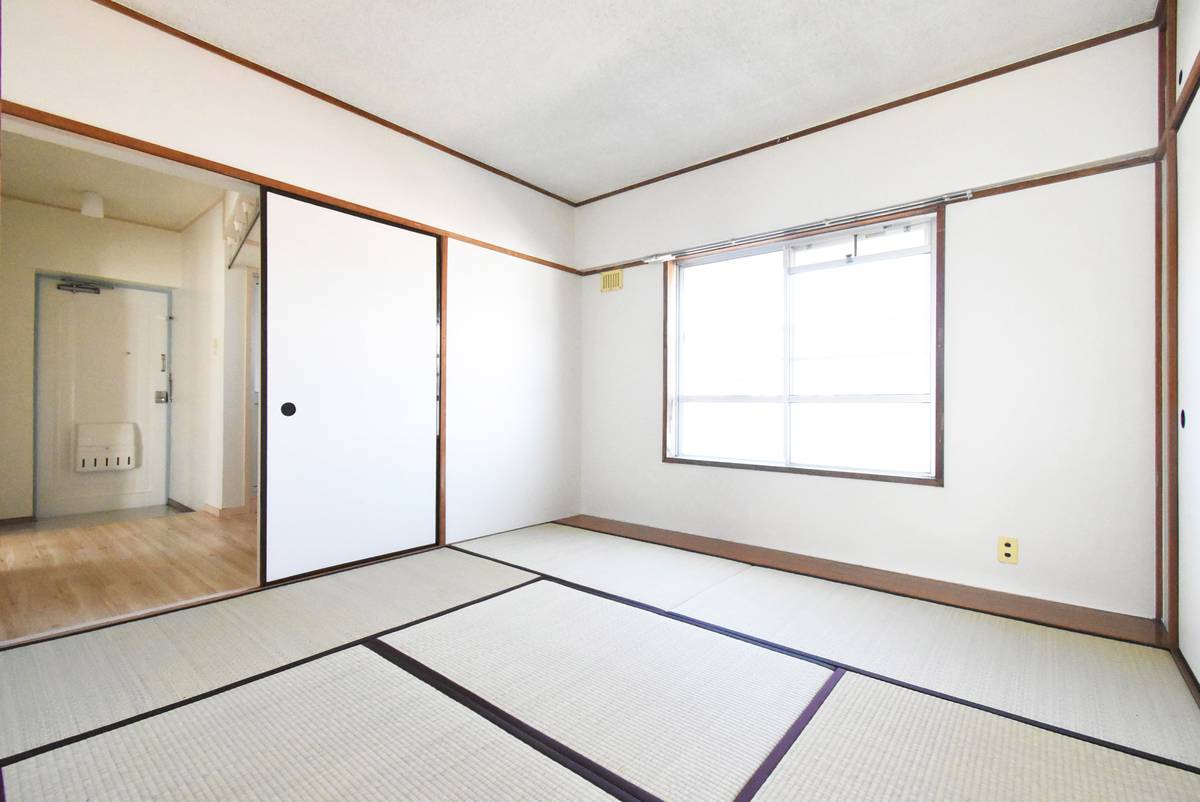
(350,399)
(1188,626)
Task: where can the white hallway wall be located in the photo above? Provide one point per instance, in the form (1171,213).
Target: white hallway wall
(36,238)
(198,349)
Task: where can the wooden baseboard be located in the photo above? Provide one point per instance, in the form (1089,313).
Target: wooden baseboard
(178,505)
(229,512)
(1145,631)
(1185,670)
(20,519)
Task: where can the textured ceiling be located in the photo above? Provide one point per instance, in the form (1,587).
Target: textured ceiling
(586,96)
(55,175)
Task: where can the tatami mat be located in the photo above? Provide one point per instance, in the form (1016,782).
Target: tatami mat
(346,726)
(642,571)
(872,740)
(682,712)
(1120,692)
(62,687)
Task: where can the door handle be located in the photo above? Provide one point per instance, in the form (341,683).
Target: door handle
(288,409)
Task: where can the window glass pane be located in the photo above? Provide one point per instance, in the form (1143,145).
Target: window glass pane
(863,328)
(893,238)
(871,437)
(818,250)
(731,327)
(750,431)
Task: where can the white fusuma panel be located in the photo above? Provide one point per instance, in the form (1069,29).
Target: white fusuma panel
(350,401)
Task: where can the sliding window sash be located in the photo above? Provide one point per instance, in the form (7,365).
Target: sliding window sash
(932,225)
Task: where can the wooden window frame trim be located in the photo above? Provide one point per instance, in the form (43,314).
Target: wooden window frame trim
(670,270)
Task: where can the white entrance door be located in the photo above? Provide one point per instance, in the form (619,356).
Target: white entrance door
(100,360)
(350,398)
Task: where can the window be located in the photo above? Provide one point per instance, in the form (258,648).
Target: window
(816,355)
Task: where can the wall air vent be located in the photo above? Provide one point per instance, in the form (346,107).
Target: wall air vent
(611,280)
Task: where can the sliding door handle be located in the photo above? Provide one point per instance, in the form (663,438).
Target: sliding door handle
(288,409)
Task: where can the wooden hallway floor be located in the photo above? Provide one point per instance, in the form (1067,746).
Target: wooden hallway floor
(57,578)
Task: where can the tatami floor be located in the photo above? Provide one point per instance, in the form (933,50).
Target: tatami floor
(556,663)
(67,572)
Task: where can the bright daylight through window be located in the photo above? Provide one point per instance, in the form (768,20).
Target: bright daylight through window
(816,354)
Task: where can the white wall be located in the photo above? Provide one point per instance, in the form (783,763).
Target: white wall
(1049,414)
(37,238)
(78,59)
(1091,105)
(512,395)
(197,413)
(233,392)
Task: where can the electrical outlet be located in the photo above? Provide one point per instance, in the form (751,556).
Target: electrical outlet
(1007,550)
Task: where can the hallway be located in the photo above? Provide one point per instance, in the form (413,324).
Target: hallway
(57,578)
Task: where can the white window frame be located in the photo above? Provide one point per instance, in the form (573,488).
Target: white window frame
(673,278)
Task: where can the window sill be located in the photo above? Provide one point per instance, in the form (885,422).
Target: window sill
(928,481)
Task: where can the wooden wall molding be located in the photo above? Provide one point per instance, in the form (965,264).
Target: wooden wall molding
(317,93)
(1185,670)
(1171,114)
(858,115)
(1084,171)
(1145,631)
(1171,301)
(1159,16)
(114,138)
(1138,159)
(61,123)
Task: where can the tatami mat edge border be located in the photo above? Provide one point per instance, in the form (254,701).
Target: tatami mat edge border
(560,753)
(785,743)
(835,664)
(52,745)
